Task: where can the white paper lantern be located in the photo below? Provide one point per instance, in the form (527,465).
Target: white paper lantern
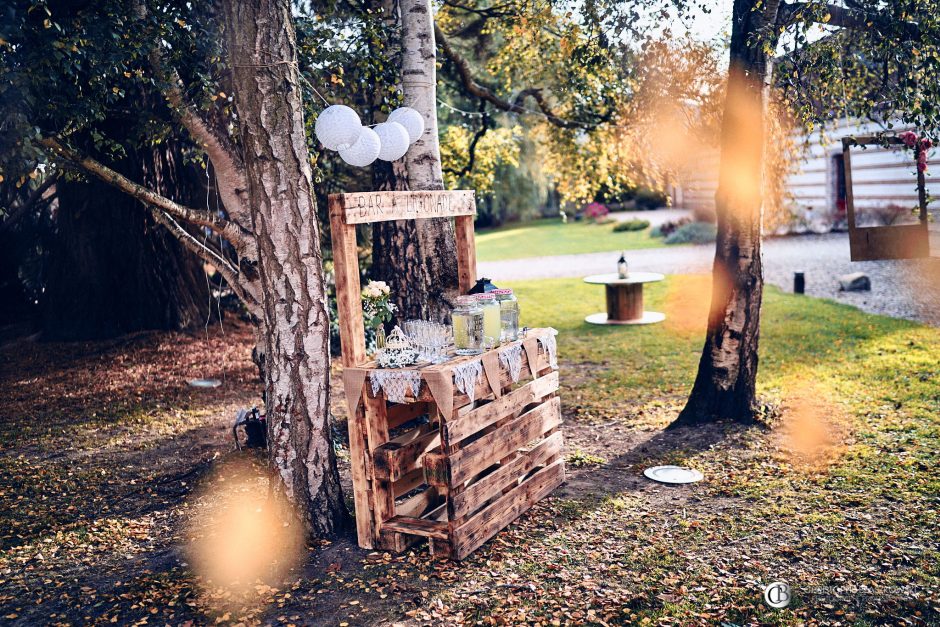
(338,127)
(411,120)
(394,140)
(364,151)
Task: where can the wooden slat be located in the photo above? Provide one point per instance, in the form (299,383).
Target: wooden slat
(480,454)
(397,458)
(902,241)
(459,428)
(472,534)
(466,253)
(417,526)
(418,504)
(361,471)
(348,288)
(383,494)
(478,493)
(409,482)
(364,207)
(405,412)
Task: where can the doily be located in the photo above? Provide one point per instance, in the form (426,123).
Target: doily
(466,376)
(511,358)
(551,347)
(396,383)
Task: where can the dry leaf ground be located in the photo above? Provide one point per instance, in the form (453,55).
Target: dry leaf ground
(107,457)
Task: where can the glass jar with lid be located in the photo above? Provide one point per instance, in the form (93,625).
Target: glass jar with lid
(467,320)
(508,315)
(491,319)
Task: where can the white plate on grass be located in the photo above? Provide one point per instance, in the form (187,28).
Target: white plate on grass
(673,474)
(205,383)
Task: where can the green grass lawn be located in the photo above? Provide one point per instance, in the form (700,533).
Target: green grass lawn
(551,237)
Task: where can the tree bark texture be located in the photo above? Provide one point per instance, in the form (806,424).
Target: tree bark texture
(725,386)
(418,258)
(113,270)
(261,50)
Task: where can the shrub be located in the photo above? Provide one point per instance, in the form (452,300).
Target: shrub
(631,225)
(693,233)
(668,228)
(651,199)
(702,214)
(596,211)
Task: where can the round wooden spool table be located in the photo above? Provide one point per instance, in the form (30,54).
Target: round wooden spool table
(625,299)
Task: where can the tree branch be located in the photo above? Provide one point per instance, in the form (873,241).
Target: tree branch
(220,263)
(229,168)
(516,105)
(473,144)
(229,230)
(225,159)
(841,17)
(35,196)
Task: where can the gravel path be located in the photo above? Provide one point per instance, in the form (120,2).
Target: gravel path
(907,289)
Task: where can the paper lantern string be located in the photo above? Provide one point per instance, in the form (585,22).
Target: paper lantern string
(339,129)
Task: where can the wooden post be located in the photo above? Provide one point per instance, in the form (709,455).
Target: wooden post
(466,253)
(847,166)
(348,289)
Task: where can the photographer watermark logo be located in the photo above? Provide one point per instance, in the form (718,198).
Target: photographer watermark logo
(777,594)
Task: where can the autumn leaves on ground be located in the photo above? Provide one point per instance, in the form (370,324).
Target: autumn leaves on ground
(124,502)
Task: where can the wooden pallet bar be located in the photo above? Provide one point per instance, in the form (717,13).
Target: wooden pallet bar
(436,465)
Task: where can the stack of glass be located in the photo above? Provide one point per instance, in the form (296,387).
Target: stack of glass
(431,340)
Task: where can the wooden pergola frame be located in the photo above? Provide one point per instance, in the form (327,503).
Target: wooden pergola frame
(903,241)
(348,210)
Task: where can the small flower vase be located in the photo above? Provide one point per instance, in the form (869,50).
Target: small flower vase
(379,337)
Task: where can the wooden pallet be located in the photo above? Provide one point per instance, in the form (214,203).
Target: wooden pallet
(438,465)
(456,474)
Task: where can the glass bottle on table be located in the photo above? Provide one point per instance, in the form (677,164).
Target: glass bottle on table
(622,270)
(491,319)
(508,315)
(467,321)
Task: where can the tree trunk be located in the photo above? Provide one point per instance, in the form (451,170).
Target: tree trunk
(418,258)
(725,386)
(113,270)
(261,51)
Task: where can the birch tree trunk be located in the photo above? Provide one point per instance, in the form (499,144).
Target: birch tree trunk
(419,259)
(725,386)
(261,50)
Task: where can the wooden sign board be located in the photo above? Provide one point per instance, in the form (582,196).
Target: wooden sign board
(364,207)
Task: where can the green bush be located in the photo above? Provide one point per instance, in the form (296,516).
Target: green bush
(668,228)
(650,199)
(631,225)
(693,233)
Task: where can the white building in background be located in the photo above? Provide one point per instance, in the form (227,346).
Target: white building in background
(884,183)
